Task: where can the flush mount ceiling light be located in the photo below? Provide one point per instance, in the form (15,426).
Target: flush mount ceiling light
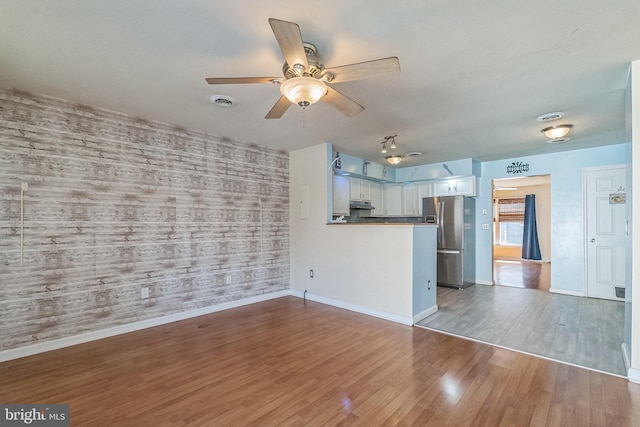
(395,159)
(303,91)
(554,132)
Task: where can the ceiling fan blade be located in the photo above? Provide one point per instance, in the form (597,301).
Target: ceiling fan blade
(341,102)
(289,39)
(365,70)
(240,80)
(279,109)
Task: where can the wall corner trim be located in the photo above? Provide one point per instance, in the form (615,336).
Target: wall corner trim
(30,350)
(426,313)
(634,375)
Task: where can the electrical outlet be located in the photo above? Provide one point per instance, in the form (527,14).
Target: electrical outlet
(485,226)
(227,279)
(144,293)
(311,273)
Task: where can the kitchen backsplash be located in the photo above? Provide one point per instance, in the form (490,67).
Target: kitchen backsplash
(114,204)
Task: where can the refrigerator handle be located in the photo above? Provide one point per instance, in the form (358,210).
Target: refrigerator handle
(440,224)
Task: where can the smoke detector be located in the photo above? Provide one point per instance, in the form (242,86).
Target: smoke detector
(222,101)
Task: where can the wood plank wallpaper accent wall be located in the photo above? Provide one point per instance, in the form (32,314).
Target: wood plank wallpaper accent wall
(115,204)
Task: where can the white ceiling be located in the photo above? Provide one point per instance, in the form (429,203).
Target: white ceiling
(475,74)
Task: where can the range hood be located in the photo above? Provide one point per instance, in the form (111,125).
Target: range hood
(357,204)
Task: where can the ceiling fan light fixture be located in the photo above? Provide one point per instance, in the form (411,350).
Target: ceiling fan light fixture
(394,160)
(555,132)
(303,91)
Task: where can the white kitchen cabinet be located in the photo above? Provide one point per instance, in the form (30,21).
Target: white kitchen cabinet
(377,199)
(425,189)
(340,195)
(410,205)
(464,186)
(392,199)
(360,189)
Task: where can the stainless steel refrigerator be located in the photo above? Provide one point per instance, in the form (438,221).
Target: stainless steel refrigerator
(455,218)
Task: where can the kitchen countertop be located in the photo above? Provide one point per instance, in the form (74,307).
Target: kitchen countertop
(378,224)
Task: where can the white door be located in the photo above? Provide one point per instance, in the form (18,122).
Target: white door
(606,225)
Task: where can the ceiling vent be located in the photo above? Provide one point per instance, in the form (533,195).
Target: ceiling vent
(558,140)
(222,101)
(550,117)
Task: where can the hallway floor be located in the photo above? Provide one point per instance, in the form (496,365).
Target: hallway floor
(522,274)
(581,331)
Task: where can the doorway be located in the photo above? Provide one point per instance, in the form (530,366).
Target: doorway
(509,268)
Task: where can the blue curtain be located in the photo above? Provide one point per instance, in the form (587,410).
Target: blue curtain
(530,244)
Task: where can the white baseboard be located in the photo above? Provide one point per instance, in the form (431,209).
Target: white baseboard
(484,282)
(32,349)
(566,292)
(428,312)
(634,375)
(352,307)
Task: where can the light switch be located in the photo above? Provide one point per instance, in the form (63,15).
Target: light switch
(484,211)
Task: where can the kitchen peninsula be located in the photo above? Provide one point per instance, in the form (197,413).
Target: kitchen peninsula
(380,269)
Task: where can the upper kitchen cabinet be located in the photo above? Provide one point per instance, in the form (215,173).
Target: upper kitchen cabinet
(425,189)
(411,205)
(392,199)
(360,189)
(377,199)
(460,186)
(340,195)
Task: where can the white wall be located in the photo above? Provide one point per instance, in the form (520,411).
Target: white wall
(365,268)
(567,221)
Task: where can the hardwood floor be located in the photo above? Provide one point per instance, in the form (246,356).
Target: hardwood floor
(287,363)
(522,274)
(584,331)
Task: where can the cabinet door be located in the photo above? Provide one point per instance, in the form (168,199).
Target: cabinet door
(360,189)
(377,199)
(466,186)
(365,190)
(410,200)
(340,195)
(393,199)
(354,189)
(425,189)
(444,188)
(456,187)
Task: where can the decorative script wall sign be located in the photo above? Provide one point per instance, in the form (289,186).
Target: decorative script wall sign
(518,167)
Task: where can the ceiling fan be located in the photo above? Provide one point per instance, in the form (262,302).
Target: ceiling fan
(306,80)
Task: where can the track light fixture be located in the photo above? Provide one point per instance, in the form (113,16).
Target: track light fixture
(391,139)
